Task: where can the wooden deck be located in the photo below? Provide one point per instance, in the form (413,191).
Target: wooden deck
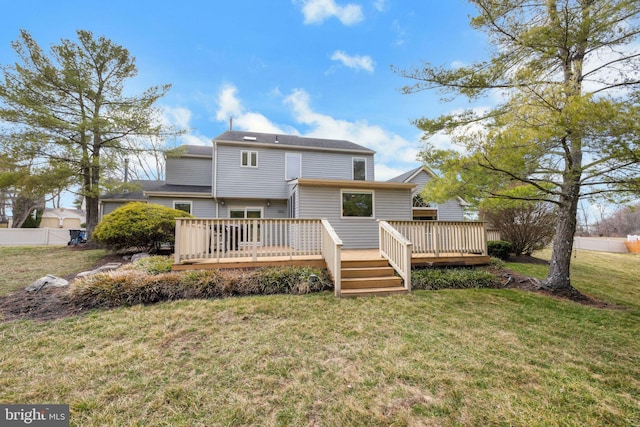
(417,260)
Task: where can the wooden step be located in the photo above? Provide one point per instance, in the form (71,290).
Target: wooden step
(348,273)
(371,282)
(397,290)
(364,263)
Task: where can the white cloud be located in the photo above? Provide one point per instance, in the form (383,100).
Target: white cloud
(395,155)
(379,5)
(401,33)
(317,11)
(355,62)
(176,116)
(180,119)
(229,106)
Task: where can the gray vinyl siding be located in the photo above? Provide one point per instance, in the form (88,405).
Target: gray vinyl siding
(268,179)
(201,208)
(278,208)
(421,179)
(356,233)
(333,165)
(189,171)
(108,207)
(451,210)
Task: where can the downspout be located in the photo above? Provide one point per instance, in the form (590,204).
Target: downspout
(214,177)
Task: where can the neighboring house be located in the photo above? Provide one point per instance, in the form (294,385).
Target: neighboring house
(261,175)
(451,210)
(63,218)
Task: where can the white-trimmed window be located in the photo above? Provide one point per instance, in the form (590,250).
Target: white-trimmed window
(359,168)
(357,204)
(249,159)
(292,166)
(183,205)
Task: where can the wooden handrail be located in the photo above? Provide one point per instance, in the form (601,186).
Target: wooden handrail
(332,254)
(397,250)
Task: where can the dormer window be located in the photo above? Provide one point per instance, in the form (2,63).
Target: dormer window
(359,166)
(419,202)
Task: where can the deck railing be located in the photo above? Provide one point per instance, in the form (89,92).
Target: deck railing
(216,239)
(397,250)
(444,237)
(332,254)
(493,234)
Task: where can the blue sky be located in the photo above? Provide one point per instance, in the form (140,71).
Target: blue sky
(309,67)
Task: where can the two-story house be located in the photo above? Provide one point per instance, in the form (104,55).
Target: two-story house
(260,196)
(260,175)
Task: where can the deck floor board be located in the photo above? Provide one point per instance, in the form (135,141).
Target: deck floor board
(235,261)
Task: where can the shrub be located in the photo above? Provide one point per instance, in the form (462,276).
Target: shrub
(133,285)
(499,249)
(452,278)
(143,226)
(153,264)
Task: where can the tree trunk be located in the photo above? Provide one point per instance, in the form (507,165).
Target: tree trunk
(93,195)
(559,278)
(92,214)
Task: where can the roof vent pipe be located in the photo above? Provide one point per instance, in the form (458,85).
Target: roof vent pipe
(276,141)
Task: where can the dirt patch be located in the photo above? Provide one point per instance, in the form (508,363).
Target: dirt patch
(515,280)
(48,303)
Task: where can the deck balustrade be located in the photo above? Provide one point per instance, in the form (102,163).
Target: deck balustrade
(444,237)
(216,239)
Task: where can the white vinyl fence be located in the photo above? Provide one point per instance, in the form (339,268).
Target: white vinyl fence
(600,244)
(34,236)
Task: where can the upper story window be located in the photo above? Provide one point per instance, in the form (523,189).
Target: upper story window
(359,168)
(182,206)
(249,159)
(292,166)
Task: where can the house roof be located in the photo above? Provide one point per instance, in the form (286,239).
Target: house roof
(136,193)
(198,150)
(158,188)
(63,213)
(179,190)
(271,139)
(408,176)
(342,183)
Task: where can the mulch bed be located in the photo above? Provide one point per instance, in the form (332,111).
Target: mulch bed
(55,303)
(515,280)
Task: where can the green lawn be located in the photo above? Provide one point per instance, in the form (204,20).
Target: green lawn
(21,266)
(463,357)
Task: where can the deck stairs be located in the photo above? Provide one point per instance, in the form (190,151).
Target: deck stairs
(368,278)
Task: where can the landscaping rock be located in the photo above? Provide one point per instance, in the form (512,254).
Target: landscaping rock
(101,269)
(47,281)
(141,255)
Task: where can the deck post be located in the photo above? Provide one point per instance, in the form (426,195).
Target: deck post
(254,239)
(436,238)
(176,242)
